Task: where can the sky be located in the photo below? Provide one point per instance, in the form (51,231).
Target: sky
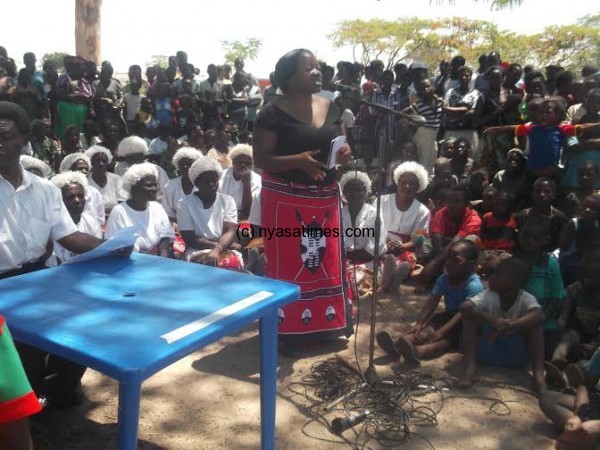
(134,30)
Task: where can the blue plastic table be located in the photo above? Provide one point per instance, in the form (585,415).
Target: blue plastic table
(128,318)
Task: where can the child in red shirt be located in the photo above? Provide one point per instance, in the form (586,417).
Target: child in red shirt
(499,226)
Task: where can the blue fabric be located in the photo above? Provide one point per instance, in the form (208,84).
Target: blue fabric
(593,365)
(506,351)
(545,144)
(453,297)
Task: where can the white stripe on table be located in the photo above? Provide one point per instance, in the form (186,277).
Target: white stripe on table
(197,325)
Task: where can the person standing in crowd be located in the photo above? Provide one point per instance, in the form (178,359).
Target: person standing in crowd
(74,94)
(292,141)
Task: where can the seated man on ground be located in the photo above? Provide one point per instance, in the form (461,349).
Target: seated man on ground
(511,320)
(436,333)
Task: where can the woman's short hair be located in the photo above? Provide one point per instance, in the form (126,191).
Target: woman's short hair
(132,145)
(202,165)
(95,149)
(287,66)
(29,162)
(186,153)
(69,161)
(71,177)
(240,150)
(356,176)
(416,169)
(136,173)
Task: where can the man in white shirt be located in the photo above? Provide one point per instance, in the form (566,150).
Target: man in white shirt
(31,213)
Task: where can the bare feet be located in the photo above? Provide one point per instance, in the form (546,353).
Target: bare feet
(387,343)
(471,377)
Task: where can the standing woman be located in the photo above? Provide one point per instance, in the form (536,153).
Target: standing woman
(292,140)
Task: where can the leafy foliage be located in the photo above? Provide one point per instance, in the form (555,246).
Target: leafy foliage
(238,49)
(56,58)
(161,61)
(431,41)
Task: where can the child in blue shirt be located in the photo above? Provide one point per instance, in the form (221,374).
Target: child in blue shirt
(436,333)
(546,140)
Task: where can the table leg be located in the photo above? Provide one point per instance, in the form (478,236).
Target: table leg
(268,378)
(129,414)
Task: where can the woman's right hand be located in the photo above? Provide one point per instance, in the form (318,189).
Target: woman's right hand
(315,169)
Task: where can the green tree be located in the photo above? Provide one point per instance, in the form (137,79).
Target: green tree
(56,58)
(238,49)
(158,60)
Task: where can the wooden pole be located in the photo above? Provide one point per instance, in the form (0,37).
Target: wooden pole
(87,29)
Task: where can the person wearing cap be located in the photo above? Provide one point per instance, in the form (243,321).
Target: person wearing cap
(133,150)
(72,186)
(418,71)
(35,166)
(240,181)
(181,186)
(33,212)
(142,211)
(110,185)
(207,219)
(80,162)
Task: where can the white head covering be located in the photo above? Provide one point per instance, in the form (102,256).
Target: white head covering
(416,169)
(240,149)
(204,164)
(357,175)
(70,177)
(29,162)
(95,149)
(137,172)
(186,153)
(70,160)
(132,145)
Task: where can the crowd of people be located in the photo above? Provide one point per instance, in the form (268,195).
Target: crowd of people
(488,184)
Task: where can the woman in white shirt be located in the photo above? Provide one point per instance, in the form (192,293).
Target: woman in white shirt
(80,162)
(207,219)
(358,225)
(72,186)
(180,187)
(240,181)
(155,233)
(404,217)
(110,185)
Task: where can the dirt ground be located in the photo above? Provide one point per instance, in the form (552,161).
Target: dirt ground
(210,400)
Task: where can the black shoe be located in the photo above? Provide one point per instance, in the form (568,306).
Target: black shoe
(387,343)
(68,400)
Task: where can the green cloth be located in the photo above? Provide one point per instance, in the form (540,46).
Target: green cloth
(545,284)
(69,114)
(13,381)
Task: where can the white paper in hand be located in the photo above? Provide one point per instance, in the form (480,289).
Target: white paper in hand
(124,239)
(336,144)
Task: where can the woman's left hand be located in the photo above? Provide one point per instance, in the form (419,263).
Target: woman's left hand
(344,155)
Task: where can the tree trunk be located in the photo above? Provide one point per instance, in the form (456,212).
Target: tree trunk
(87,29)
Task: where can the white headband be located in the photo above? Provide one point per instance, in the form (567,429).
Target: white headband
(416,169)
(137,172)
(29,162)
(71,177)
(95,149)
(204,164)
(70,160)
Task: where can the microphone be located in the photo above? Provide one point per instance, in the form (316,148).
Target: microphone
(341,424)
(342,87)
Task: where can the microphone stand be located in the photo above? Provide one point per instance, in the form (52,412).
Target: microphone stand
(371,372)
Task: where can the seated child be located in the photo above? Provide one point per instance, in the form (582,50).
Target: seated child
(542,196)
(499,227)
(545,282)
(546,139)
(462,165)
(17,400)
(510,318)
(454,221)
(588,174)
(486,204)
(442,179)
(580,313)
(577,417)
(581,234)
(436,333)
(513,178)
